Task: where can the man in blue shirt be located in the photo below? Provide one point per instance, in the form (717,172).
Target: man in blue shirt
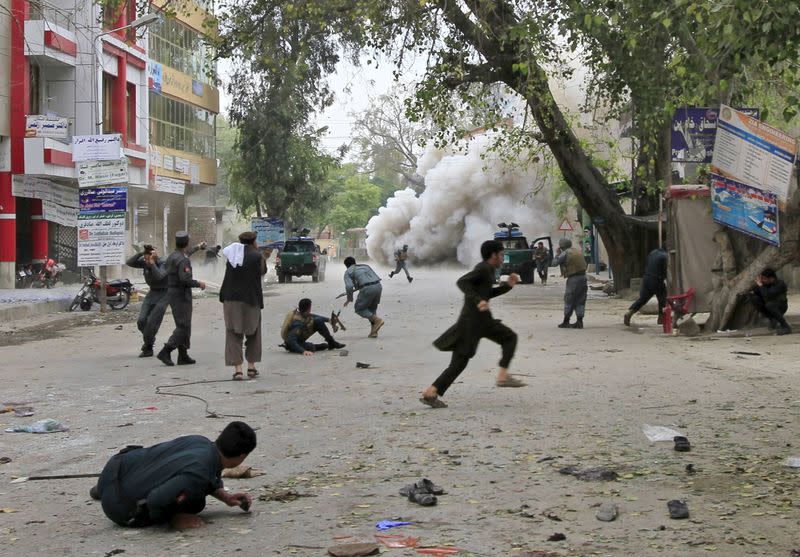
(366,281)
(169,482)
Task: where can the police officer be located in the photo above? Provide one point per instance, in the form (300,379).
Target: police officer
(180,281)
(573,266)
(155,303)
(365,280)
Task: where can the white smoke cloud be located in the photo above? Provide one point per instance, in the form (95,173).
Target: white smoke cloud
(466,195)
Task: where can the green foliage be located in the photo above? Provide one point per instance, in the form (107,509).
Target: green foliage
(355,201)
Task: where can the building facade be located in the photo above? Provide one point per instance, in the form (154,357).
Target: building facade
(66,69)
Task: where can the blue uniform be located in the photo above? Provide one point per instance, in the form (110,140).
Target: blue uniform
(366,281)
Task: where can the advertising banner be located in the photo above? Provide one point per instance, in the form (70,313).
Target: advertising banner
(170,185)
(745,208)
(101,225)
(101,173)
(269,230)
(105,147)
(38,125)
(53,212)
(46,190)
(753,153)
(694,130)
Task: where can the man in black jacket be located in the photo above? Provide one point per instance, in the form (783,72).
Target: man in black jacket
(654,283)
(768,296)
(242,301)
(474,323)
(155,303)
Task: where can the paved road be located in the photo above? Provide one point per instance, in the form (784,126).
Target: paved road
(350,438)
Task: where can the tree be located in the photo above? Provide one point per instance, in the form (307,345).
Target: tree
(644,57)
(387,143)
(355,200)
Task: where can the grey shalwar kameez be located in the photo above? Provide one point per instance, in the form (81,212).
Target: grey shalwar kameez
(242,301)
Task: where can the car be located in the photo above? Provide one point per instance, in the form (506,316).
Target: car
(299,257)
(518,253)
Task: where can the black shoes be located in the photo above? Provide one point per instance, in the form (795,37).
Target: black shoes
(578,324)
(166,355)
(422,493)
(94,493)
(564,324)
(147,351)
(333,345)
(183,358)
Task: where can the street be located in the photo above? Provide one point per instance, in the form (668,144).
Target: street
(348,439)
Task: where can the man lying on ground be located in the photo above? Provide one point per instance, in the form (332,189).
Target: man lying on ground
(169,482)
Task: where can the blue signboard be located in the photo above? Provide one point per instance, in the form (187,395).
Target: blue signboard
(693,133)
(268,230)
(745,208)
(106,199)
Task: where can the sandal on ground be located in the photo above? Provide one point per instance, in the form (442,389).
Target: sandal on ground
(252,373)
(682,444)
(677,509)
(423,499)
(433,402)
(510,382)
(238,376)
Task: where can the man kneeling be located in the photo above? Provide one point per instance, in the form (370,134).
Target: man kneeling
(169,482)
(300,324)
(768,296)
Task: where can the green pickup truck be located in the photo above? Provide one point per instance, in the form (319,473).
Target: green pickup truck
(518,253)
(300,257)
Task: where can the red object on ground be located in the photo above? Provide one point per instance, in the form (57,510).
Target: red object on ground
(149,408)
(397,540)
(679,305)
(438,550)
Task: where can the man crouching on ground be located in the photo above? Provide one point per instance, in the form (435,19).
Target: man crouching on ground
(300,324)
(169,482)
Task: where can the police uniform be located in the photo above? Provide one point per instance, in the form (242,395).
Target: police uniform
(366,281)
(180,283)
(297,328)
(573,265)
(155,303)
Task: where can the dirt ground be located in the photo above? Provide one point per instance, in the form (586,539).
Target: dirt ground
(350,438)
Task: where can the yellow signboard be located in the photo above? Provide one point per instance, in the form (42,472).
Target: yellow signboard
(181,86)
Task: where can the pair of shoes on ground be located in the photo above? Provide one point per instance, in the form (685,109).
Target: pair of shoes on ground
(567,325)
(423,492)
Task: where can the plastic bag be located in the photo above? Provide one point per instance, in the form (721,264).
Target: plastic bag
(792,462)
(42,426)
(659,433)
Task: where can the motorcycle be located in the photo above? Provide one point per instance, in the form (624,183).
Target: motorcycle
(118,293)
(24,276)
(48,275)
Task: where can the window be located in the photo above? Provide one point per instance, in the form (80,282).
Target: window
(108,95)
(182,126)
(35,93)
(132,120)
(179,46)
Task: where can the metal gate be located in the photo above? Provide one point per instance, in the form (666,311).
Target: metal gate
(62,245)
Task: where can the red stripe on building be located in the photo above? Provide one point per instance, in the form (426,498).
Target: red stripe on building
(111,49)
(58,158)
(137,62)
(59,42)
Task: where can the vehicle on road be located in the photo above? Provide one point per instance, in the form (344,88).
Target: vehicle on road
(118,293)
(299,257)
(518,253)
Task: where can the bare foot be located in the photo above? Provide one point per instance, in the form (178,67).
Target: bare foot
(430,392)
(183,521)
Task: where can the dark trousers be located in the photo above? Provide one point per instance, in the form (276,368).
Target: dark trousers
(321,328)
(773,311)
(181,304)
(575,296)
(541,268)
(497,333)
(152,314)
(401,265)
(651,286)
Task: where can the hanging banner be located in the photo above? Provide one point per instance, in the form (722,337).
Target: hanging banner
(53,212)
(269,230)
(39,125)
(46,190)
(105,147)
(745,208)
(101,225)
(694,130)
(100,173)
(753,153)
(169,185)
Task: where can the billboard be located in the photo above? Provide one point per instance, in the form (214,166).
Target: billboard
(269,230)
(745,208)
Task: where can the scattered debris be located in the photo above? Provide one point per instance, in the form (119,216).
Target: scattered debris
(8,510)
(387,524)
(538,553)
(546,458)
(608,512)
(792,462)
(344,353)
(495,430)
(114,552)
(690,468)
(682,444)
(656,433)
(125,425)
(118,328)
(284,495)
(438,551)
(557,537)
(242,471)
(354,549)
(745,353)
(551,515)
(42,426)
(4,460)
(362,365)
(397,541)
(677,509)
(596,474)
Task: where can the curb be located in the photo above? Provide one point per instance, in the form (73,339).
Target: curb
(23,311)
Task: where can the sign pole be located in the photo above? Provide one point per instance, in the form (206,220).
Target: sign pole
(103,297)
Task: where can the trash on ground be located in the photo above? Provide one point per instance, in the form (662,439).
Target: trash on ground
(551,515)
(557,537)
(545,459)
(745,353)
(443,550)
(42,426)
(23,411)
(396,541)
(424,486)
(362,365)
(538,553)
(354,549)
(656,433)
(595,474)
(4,460)
(682,444)
(8,510)
(677,509)
(792,462)
(344,353)
(608,512)
(242,471)
(283,495)
(387,524)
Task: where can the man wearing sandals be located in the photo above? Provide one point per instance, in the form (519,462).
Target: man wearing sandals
(242,301)
(474,323)
(168,483)
(300,324)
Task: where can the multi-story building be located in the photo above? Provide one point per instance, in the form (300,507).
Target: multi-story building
(66,62)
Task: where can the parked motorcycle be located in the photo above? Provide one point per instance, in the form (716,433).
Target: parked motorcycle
(118,293)
(48,275)
(24,276)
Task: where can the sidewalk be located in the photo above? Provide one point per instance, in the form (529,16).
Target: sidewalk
(26,302)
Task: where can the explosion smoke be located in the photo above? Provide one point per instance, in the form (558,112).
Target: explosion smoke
(466,195)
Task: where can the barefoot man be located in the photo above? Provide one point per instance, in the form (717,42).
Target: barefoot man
(474,323)
(169,482)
